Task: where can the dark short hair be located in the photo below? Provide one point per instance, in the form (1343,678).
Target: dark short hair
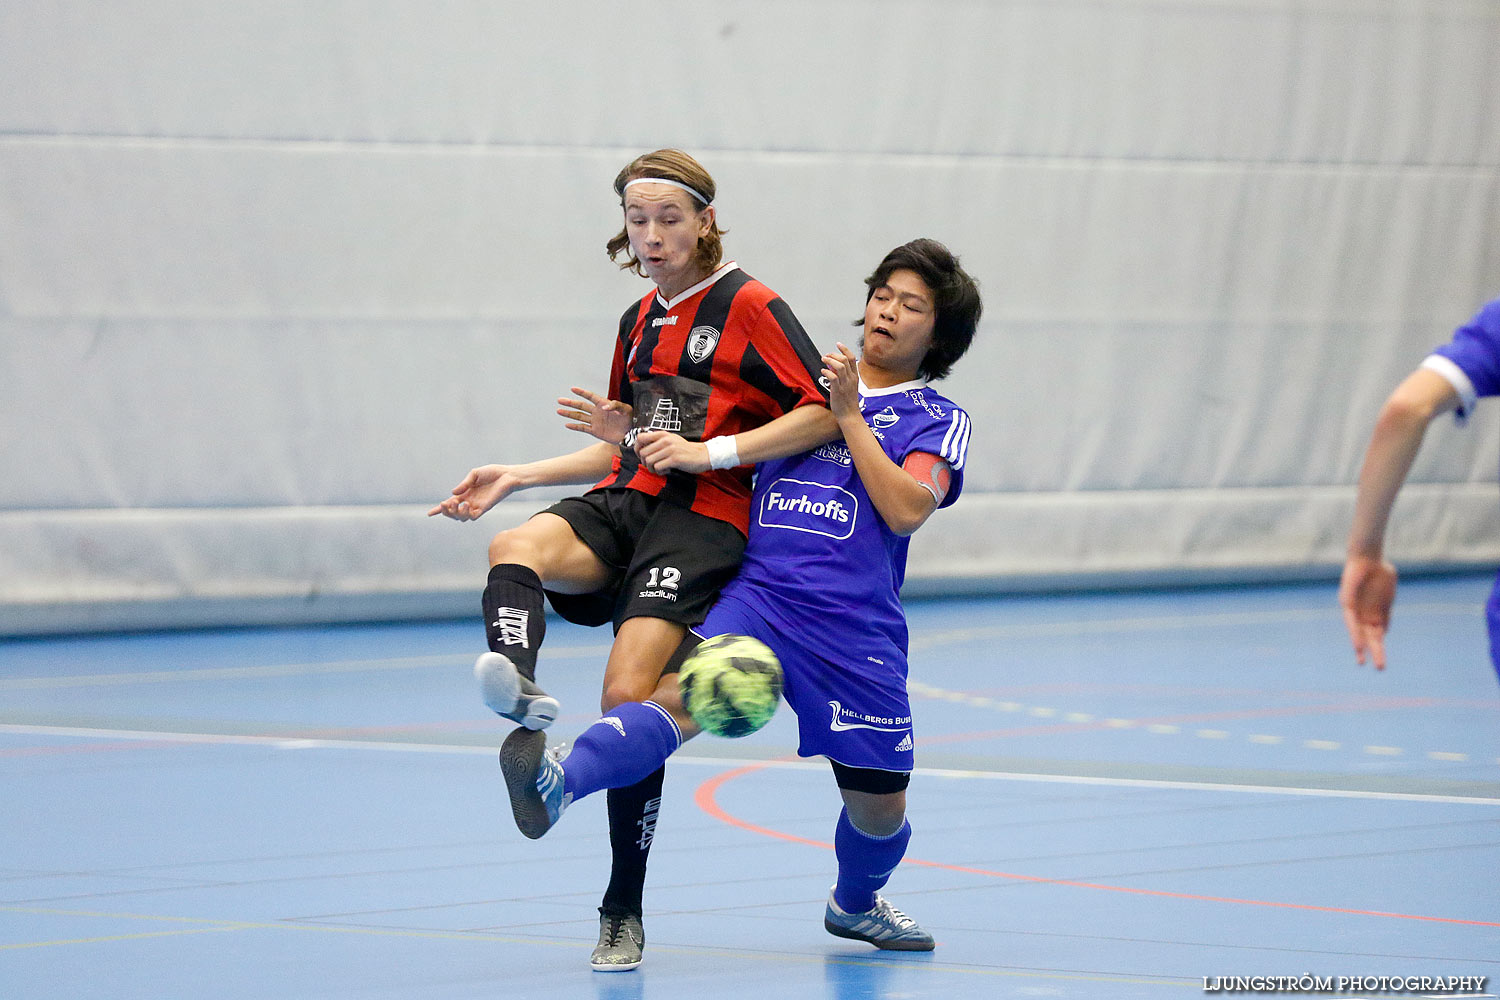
(955,297)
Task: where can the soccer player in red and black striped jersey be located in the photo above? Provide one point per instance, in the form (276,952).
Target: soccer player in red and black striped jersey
(715,374)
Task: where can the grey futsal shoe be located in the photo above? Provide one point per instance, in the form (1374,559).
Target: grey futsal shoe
(883,925)
(620,942)
(510,693)
(534,778)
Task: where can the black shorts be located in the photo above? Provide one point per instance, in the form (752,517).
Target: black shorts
(869,779)
(665,561)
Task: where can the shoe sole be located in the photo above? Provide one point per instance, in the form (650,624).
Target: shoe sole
(500,684)
(617,967)
(893,944)
(520,757)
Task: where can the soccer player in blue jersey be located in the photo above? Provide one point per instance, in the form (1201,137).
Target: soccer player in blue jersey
(1451,379)
(820,585)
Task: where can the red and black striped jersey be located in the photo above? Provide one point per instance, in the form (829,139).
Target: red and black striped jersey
(723,357)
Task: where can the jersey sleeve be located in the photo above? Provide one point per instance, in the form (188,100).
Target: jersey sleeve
(619,371)
(781,361)
(1471,360)
(947,437)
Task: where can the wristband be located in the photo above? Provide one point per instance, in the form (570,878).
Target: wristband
(723,453)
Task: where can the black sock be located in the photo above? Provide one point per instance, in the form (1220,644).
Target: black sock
(515,620)
(632,827)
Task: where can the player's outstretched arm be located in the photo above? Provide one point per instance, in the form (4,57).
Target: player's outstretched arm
(902,502)
(792,433)
(598,416)
(1367,589)
(487,485)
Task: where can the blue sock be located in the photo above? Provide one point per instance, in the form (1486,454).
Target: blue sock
(627,744)
(865,862)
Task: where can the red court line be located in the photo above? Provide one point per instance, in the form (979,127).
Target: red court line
(706,798)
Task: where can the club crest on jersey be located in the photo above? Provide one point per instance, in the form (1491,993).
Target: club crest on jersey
(885,418)
(701,342)
(797,505)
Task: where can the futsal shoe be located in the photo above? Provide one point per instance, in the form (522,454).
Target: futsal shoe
(510,693)
(620,942)
(882,925)
(534,778)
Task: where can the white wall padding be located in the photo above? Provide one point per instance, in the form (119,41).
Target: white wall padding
(273,276)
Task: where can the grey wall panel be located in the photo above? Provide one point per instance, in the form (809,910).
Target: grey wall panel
(273,277)
(1152,79)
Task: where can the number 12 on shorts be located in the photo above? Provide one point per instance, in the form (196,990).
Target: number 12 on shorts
(666,577)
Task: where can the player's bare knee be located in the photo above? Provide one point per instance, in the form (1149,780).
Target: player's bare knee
(512,546)
(618,692)
(668,694)
(877,815)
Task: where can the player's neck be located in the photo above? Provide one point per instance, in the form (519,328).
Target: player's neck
(676,286)
(875,377)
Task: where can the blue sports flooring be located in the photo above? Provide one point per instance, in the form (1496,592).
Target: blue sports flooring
(1122,795)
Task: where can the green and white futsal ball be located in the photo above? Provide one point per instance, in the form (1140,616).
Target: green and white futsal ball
(730,685)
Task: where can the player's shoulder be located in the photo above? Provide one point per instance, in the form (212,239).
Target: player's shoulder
(1487,319)
(927,420)
(749,291)
(1480,333)
(633,313)
(927,401)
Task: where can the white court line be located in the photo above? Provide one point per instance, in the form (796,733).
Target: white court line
(1164,729)
(1335,793)
(269,670)
(942,637)
(248,739)
(298,743)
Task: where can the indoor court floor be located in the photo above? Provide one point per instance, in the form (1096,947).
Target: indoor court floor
(1137,794)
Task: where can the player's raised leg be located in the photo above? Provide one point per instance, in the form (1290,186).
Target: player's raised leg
(544,550)
(629,743)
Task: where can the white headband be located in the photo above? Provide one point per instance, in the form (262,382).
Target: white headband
(671,183)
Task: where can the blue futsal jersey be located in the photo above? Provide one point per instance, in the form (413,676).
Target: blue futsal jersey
(1471,364)
(821,579)
(1471,360)
(820,560)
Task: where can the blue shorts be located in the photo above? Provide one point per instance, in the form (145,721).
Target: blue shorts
(857,716)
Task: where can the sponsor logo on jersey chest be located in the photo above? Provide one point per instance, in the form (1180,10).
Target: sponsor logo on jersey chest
(835,452)
(796,505)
